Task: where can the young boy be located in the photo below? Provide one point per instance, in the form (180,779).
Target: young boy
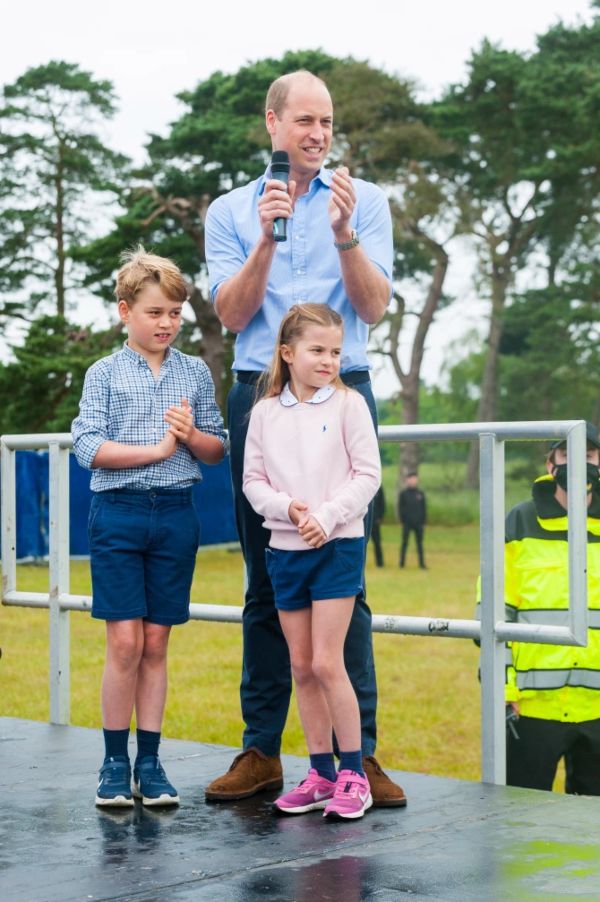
(147,415)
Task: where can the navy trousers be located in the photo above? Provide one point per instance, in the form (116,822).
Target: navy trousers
(266,674)
(532,758)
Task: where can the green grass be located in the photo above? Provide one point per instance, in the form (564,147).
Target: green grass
(448,502)
(428,717)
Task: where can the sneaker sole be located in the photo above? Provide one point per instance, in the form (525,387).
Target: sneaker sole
(219,796)
(115,802)
(389,803)
(302,809)
(164,799)
(351,815)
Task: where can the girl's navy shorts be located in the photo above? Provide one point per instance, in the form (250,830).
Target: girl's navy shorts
(335,570)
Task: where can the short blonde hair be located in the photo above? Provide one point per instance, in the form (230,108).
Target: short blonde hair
(141,268)
(279,90)
(292,328)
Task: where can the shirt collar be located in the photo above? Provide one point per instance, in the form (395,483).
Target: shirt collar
(323,175)
(139,358)
(288,399)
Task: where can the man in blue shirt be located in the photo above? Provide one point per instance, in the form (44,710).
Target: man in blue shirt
(338,251)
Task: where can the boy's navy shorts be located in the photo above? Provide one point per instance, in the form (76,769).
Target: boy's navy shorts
(143,549)
(335,570)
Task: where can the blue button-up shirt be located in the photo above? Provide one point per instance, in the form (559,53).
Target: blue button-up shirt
(123,402)
(306,267)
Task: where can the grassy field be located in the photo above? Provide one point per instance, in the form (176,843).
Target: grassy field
(428,691)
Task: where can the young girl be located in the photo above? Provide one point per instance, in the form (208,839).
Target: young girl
(311,467)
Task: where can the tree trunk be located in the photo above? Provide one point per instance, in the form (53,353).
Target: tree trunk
(212,346)
(408,458)
(59,272)
(486,410)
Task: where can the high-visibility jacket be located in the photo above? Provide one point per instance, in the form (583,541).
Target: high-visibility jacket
(553,682)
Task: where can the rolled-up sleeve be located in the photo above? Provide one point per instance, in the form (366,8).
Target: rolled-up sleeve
(90,428)
(207,416)
(374,226)
(225,254)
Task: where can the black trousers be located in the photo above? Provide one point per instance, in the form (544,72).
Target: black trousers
(376,538)
(532,759)
(406,531)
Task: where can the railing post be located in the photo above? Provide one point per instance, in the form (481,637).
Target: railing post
(9,521)
(577,534)
(491,537)
(59,583)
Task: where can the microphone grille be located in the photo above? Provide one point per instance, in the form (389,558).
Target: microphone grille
(280,158)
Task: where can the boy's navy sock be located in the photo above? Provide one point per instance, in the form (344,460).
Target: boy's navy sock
(324,765)
(352,761)
(115,743)
(147,743)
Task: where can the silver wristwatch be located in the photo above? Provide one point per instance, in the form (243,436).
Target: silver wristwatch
(346,245)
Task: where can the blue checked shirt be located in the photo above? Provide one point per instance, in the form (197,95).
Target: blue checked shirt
(123,402)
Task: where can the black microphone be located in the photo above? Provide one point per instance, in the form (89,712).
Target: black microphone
(280,170)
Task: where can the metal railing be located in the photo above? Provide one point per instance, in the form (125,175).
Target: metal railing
(492,631)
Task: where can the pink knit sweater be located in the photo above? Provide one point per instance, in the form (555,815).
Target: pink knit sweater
(325,455)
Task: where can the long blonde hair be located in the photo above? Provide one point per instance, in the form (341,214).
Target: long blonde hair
(291,330)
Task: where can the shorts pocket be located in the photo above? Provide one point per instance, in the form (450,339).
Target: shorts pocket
(271,564)
(350,550)
(96,505)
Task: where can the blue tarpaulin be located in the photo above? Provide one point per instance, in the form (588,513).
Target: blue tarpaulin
(213,499)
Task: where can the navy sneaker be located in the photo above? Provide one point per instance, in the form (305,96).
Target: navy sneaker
(150,783)
(114,786)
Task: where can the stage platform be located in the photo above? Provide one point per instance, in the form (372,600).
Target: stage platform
(456,840)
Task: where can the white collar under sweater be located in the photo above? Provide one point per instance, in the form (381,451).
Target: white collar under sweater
(289,399)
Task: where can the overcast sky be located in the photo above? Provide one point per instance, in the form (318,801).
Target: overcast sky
(152,51)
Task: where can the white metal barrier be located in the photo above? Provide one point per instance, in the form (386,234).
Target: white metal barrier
(493,631)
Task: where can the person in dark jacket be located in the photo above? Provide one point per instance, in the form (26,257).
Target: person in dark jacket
(412,513)
(378,515)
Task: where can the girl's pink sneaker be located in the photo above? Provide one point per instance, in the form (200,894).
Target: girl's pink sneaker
(352,796)
(312,793)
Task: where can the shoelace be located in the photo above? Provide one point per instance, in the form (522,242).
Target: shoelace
(307,783)
(157,769)
(348,790)
(375,765)
(112,766)
(112,771)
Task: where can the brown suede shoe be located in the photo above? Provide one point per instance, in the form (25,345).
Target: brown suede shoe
(250,772)
(386,794)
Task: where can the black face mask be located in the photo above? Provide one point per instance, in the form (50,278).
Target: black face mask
(592,476)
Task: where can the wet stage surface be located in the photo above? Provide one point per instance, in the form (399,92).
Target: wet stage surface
(455,841)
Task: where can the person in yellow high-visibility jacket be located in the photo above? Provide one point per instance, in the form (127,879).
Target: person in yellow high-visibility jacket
(554,690)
